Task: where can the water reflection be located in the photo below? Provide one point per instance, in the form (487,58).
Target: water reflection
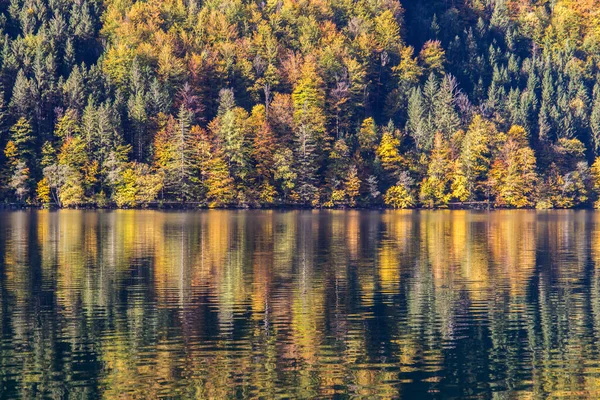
(222,304)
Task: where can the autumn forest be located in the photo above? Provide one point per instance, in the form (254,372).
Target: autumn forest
(309,103)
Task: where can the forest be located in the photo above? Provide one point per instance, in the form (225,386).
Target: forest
(308,103)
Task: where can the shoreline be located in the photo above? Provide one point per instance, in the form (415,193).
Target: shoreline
(471,206)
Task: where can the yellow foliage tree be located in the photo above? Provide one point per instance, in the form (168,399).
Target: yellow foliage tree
(398,196)
(435,188)
(43,191)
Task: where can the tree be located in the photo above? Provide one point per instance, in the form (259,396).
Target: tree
(22,138)
(48,154)
(401,195)
(435,188)
(136,185)
(233,132)
(285,175)
(19,181)
(174,148)
(416,124)
(11,153)
(43,191)
(311,140)
(55,177)
(387,32)
(305,164)
(22,100)
(67,125)
(337,171)
(433,56)
(389,154)
(474,159)
(72,192)
(183,156)
(513,176)
(432,110)
(352,185)
(595,175)
(219,183)
(367,136)
(408,70)
(263,150)
(595,123)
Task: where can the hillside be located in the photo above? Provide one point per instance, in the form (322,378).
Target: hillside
(334,103)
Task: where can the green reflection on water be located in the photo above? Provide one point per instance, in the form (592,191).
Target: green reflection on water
(220,304)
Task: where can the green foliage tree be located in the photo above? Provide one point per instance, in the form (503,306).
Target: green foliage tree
(401,195)
(474,160)
(435,188)
(136,185)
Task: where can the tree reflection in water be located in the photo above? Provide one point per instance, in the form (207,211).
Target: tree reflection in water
(218,304)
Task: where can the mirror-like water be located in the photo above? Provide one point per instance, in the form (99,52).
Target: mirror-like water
(219,304)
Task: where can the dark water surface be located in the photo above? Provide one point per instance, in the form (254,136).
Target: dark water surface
(220,304)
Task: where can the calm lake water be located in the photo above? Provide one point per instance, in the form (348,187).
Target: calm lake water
(221,304)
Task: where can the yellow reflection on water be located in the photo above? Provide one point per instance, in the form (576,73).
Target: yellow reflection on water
(218,304)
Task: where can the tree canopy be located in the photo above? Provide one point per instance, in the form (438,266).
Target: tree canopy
(315,103)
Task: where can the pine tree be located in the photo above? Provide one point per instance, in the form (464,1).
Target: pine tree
(500,19)
(22,99)
(139,119)
(309,119)
(233,132)
(305,149)
(445,117)
(416,125)
(182,146)
(48,155)
(595,124)
(22,137)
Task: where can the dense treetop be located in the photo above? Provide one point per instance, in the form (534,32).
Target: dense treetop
(311,102)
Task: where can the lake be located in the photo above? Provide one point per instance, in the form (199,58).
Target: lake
(221,304)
